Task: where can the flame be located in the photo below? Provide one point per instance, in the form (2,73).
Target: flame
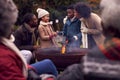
(63,49)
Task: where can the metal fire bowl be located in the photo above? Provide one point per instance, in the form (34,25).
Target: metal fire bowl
(72,56)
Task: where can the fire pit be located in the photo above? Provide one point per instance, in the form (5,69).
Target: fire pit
(71,56)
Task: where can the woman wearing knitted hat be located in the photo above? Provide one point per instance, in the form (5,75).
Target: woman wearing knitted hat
(46,32)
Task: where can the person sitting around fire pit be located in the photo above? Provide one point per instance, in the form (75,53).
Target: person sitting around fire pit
(71,29)
(46,33)
(26,36)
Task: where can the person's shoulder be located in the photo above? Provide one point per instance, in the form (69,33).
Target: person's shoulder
(19,29)
(78,20)
(67,21)
(94,14)
(5,51)
(95,17)
(40,26)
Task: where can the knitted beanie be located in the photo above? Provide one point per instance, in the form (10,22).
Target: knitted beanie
(41,12)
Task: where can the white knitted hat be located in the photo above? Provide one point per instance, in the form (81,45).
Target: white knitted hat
(41,12)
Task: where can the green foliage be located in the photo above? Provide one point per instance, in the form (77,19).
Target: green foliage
(57,8)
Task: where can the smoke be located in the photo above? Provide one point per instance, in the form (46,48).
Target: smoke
(111,13)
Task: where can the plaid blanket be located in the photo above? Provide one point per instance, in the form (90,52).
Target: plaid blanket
(111,49)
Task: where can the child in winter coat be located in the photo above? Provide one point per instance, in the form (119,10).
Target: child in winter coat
(46,32)
(71,29)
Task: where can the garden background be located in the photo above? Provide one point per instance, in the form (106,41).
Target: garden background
(57,8)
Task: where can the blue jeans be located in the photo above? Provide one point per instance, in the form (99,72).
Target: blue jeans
(45,67)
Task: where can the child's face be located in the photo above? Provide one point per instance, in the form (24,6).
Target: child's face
(46,18)
(70,13)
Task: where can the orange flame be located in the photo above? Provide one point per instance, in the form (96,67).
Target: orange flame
(63,49)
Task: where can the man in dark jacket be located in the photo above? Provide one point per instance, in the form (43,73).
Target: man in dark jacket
(26,35)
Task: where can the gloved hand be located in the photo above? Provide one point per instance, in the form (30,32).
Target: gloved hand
(84,30)
(75,37)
